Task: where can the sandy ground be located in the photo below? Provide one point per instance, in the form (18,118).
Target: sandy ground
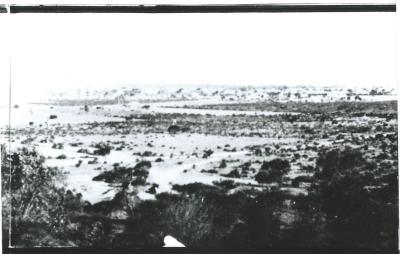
(180,165)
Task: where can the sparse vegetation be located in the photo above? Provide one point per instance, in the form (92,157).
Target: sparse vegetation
(210,177)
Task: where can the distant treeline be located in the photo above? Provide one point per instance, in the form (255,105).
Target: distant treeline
(308,107)
(78,102)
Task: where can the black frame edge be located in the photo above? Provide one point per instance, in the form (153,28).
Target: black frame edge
(241,8)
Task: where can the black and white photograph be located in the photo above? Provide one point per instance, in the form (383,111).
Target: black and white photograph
(210,127)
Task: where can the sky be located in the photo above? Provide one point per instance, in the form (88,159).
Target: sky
(53,51)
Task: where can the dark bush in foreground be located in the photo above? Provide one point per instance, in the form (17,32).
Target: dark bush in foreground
(361,207)
(193,188)
(276,164)
(226,184)
(189,219)
(300,179)
(345,207)
(41,212)
(273,171)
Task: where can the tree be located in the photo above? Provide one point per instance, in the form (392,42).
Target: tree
(33,201)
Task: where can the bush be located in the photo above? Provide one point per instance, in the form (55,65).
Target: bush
(143,165)
(210,171)
(102,149)
(233,174)
(222,164)
(276,164)
(119,174)
(41,212)
(300,179)
(263,177)
(174,129)
(188,219)
(61,157)
(147,154)
(207,153)
(193,188)
(272,171)
(337,163)
(360,203)
(226,184)
(152,189)
(138,181)
(58,146)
